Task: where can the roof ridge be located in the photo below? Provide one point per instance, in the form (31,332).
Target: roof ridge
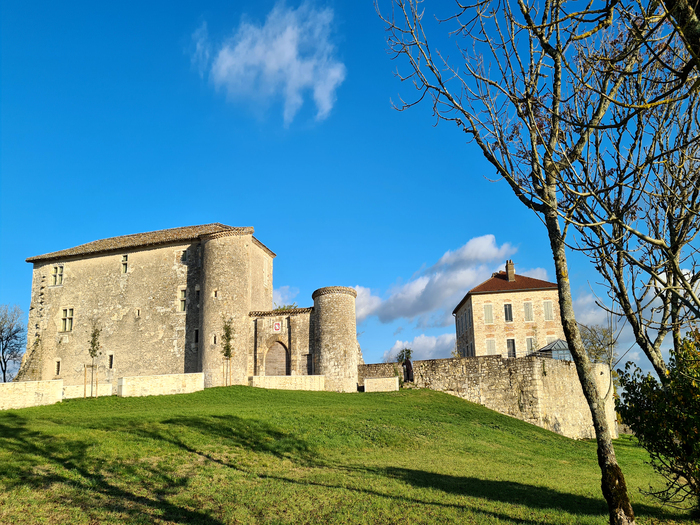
(149,238)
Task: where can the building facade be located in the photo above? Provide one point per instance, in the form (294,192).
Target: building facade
(508,315)
(159,301)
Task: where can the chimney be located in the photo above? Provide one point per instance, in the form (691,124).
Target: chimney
(510,271)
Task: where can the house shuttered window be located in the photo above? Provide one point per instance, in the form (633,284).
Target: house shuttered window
(528,312)
(548,311)
(490,347)
(488,314)
(530,345)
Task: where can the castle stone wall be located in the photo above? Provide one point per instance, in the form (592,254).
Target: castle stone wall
(23,394)
(138,312)
(226,294)
(560,386)
(160,385)
(544,392)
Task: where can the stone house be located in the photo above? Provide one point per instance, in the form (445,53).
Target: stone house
(508,315)
(160,300)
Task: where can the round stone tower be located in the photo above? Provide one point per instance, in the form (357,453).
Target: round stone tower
(226,294)
(335,337)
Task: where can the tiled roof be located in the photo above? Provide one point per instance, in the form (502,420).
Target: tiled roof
(499,283)
(138,240)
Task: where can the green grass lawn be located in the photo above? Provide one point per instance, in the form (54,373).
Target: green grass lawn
(245,455)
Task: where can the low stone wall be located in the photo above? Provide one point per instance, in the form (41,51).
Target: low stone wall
(317,383)
(381,384)
(544,392)
(77,391)
(137,386)
(23,394)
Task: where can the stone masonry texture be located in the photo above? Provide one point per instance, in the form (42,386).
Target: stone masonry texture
(160,300)
(381,384)
(544,392)
(23,394)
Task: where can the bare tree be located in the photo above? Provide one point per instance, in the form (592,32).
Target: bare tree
(637,196)
(514,95)
(12,335)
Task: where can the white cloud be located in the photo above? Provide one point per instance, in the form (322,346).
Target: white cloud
(284,295)
(425,347)
(588,312)
(536,273)
(288,56)
(365,304)
(478,250)
(431,295)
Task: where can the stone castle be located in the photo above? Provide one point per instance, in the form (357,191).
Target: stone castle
(161,299)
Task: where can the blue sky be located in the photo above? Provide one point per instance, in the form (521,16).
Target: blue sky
(118,118)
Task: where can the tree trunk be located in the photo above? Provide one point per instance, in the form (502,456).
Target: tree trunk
(613,481)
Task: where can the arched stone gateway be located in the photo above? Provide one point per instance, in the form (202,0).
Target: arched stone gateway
(277,361)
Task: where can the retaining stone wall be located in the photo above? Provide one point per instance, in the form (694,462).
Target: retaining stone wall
(544,392)
(316,383)
(77,391)
(381,384)
(137,386)
(23,394)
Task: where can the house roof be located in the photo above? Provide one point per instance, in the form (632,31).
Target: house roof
(499,283)
(140,240)
(558,344)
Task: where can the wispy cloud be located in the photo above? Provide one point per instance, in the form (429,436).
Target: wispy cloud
(284,295)
(201,49)
(289,56)
(432,293)
(424,347)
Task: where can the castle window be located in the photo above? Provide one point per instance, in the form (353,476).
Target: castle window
(138,312)
(183,300)
(58,367)
(214,338)
(196,296)
(490,347)
(125,261)
(528,311)
(216,293)
(184,256)
(57,276)
(67,320)
(510,343)
(508,312)
(111,361)
(548,312)
(196,336)
(488,314)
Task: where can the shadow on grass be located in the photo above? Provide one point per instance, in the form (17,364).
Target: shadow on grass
(134,490)
(511,492)
(40,461)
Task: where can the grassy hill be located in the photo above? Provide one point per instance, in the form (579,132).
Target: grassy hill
(244,455)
